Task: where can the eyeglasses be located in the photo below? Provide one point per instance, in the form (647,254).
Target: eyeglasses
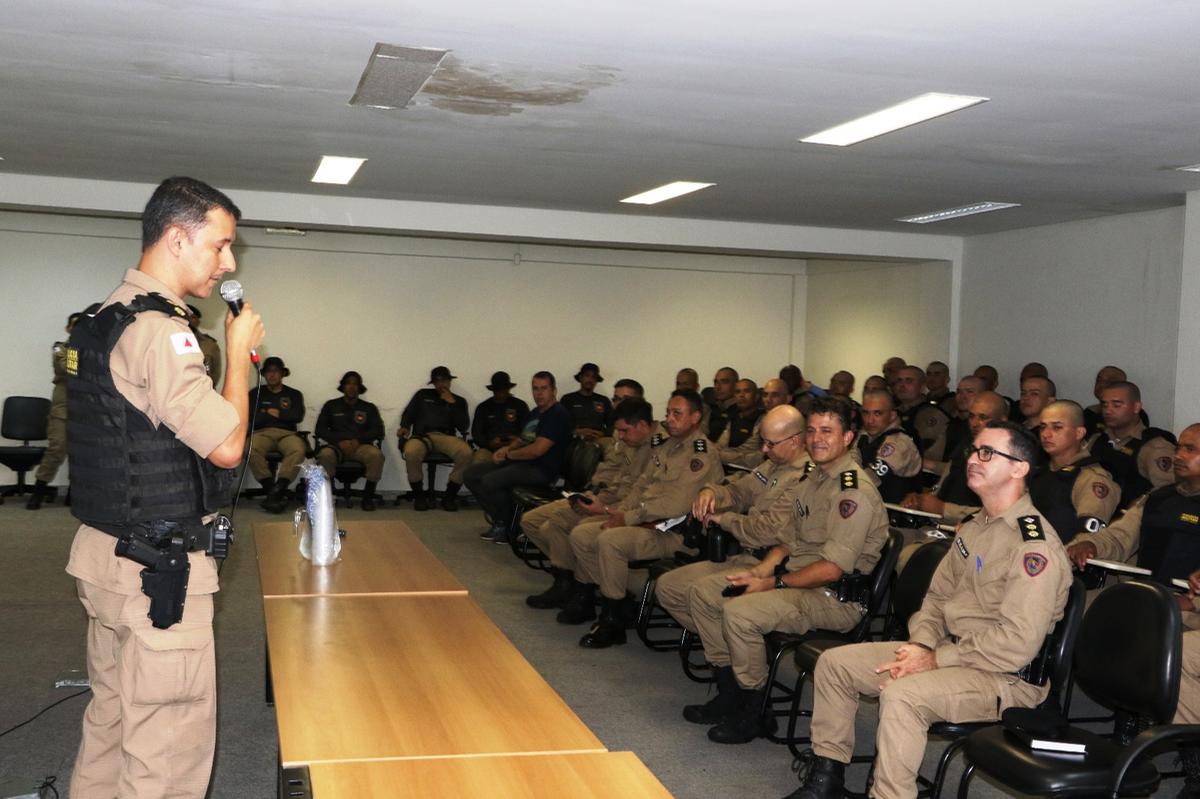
(985,453)
(770,445)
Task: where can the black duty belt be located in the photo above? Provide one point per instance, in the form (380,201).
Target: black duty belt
(196,535)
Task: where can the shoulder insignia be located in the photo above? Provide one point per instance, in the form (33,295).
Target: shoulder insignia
(846,508)
(962,547)
(1163,463)
(700,445)
(886,450)
(808,468)
(1035,563)
(762,478)
(696,464)
(1069,469)
(656,440)
(1099,489)
(72,366)
(849,479)
(1031,529)
(1190,518)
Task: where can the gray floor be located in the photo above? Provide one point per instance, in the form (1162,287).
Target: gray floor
(629,696)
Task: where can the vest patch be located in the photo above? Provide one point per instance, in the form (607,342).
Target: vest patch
(762,478)
(72,361)
(849,479)
(846,508)
(1031,529)
(697,464)
(886,449)
(700,445)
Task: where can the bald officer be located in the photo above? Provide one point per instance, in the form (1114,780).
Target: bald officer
(631,529)
(1137,456)
(1073,490)
(993,600)
(886,450)
(137,389)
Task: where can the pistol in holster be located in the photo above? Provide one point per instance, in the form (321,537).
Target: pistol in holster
(165,578)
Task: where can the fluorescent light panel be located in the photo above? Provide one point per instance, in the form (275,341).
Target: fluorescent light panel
(337,169)
(910,112)
(1192,168)
(667,192)
(954,213)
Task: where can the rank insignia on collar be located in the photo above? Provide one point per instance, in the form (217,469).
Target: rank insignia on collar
(849,479)
(656,440)
(775,482)
(1190,518)
(762,478)
(808,467)
(700,445)
(1031,528)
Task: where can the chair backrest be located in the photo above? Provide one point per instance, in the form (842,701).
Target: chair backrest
(585,457)
(1127,656)
(908,592)
(1059,648)
(25,418)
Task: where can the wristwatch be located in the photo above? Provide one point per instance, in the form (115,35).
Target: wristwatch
(779,583)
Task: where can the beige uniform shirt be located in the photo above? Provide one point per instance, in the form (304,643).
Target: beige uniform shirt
(620,469)
(1121,539)
(761,510)
(997,593)
(842,518)
(897,455)
(674,473)
(158,367)
(1095,494)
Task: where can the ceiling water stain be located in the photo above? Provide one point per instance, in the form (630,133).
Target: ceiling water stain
(467,89)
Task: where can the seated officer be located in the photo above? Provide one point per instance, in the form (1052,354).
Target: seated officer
(1073,490)
(549,526)
(1092,415)
(1188,709)
(498,420)
(886,450)
(774,393)
(924,419)
(627,388)
(760,512)
(837,528)
(741,443)
(719,401)
(958,431)
(277,410)
(803,391)
(352,427)
(1161,528)
(1138,457)
(996,595)
(953,498)
(679,465)
(1036,394)
(432,422)
(937,385)
(591,412)
(891,370)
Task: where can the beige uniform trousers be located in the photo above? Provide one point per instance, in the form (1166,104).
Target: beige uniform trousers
(906,708)
(56,450)
(369,455)
(673,589)
(271,439)
(549,526)
(415,450)
(482,456)
(602,556)
(1188,709)
(151,726)
(732,629)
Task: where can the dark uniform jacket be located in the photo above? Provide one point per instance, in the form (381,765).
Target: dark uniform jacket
(427,412)
(498,420)
(341,421)
(289,402)
(593,411)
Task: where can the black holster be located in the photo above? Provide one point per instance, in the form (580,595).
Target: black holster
(165,578)
(852,587)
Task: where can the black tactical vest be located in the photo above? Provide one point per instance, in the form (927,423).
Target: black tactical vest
(954,486)
(1170,544)
(892,487)
(1050,491)
(125,473)
(1122,463)
(741,427)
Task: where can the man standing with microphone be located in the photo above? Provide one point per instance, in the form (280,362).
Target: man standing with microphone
(152,453)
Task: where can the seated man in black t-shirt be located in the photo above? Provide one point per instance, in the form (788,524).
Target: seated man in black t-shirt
(534,459)
(277,410)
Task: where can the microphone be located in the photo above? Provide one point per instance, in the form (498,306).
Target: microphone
(231,292)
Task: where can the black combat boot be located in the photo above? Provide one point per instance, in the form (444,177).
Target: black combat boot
(1189,757)
(556,596)
(277,497)
(38,494)
(420,498)
(580,605)
(368,503)
(820,777)
(609,629)
(268,486)
(450,497)
(717,709)
(745,722)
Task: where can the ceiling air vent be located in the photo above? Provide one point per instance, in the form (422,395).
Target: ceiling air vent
(394,74)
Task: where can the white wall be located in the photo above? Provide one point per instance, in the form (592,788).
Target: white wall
(1078,296)
(392,307)
(861,313)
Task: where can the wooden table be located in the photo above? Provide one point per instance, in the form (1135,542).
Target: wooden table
(392,677)
(582,776)
(378,557)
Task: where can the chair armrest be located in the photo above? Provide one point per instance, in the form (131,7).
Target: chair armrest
(1145,742)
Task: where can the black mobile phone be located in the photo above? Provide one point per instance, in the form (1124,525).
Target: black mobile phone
(733,590)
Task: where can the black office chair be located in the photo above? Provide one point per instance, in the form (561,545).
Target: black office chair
(779,645)
(1127,658)
(579,464)
(429,465)
(25,419)
(347,473)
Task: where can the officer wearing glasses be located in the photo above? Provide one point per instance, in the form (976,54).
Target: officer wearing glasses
(993,599)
